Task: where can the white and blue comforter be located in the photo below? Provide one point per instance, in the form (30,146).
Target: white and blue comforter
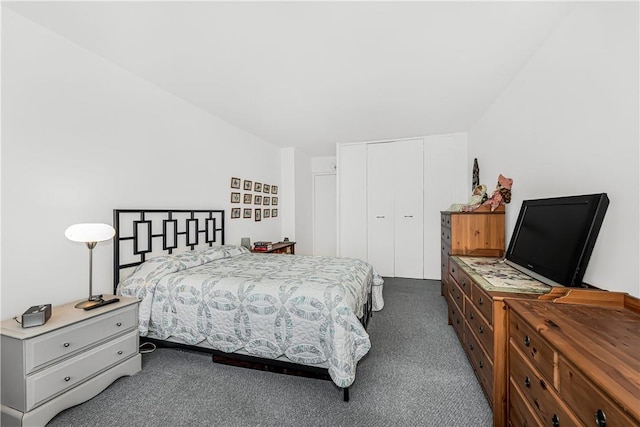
(268,305)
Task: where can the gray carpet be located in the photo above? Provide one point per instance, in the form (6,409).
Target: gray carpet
(416,374)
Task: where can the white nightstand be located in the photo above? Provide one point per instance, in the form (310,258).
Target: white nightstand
(67,361)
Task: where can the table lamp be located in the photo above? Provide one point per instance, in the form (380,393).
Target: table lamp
(90,234)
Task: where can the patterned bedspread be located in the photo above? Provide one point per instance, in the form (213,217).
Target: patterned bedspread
(268,305)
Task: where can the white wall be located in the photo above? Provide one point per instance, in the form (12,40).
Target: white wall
(81,137)
(304,203)
(569,124)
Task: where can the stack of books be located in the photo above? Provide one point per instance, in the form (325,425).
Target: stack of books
(262,246)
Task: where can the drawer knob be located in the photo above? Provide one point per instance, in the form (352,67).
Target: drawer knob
(67,379)
(471,347)
(481,329)
(480,301)
(480,364)
(527,341)
(527,382)
(471,315)
(119,324)
(119,352)
(66,344)
(555,420)
(601,418)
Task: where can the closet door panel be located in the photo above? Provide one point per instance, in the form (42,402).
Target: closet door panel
(352,200)
(408,189)
(380,209)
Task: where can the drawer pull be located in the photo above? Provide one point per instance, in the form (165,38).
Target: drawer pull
(66,344)
(119,324)
(527,341)
(527,382)
(481,329)
(379,216)
(120,353)
(471,315)
(471,347)
(480,301)
(555,420)
(480,364)
(67,379)
(464,283)
(601,418)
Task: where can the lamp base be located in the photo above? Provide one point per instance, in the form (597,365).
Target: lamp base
(95,302)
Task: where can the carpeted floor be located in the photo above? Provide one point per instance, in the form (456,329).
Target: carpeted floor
(416,374)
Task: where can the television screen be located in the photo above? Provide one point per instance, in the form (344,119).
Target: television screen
(553,238)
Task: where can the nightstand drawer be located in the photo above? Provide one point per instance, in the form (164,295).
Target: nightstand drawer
(47,348)
(63,376)
(520,413)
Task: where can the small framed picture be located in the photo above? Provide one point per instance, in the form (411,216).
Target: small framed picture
(274,189)
(246,213)
(235,213)
(266,188)
(247,198)
(274,213)
(257,187)
(247,185)
(235,182)
(235,197)
(266,200)
(258,215)
(266,213)
(257,200)
(274,201)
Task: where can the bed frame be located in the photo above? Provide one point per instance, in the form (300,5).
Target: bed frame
(146,233)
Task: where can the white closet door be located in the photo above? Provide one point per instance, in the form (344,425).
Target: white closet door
(380,208)
(408,186)
(447,180)
(352,201)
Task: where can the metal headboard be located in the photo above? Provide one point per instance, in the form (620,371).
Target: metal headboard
(143,233)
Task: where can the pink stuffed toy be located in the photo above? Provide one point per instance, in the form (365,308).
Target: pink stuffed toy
(502,193)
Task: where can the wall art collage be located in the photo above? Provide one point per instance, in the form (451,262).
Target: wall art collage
(261,198)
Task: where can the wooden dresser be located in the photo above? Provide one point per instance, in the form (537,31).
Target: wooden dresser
(574,361)
(477,289)
(476,233)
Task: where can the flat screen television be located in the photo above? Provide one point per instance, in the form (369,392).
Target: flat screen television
(553,238)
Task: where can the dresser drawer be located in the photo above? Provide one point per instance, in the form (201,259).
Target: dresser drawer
(48,383)
(520,413)
(480,328)
(483,302)
(445,220)
(456,295)
(587,401)
(44,349)
(465,283)
(539,354)
(457,320)
(538,392)
(481,365)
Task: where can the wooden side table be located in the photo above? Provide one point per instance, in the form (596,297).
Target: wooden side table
(288,248)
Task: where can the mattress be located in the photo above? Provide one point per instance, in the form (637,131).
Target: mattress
(303,308)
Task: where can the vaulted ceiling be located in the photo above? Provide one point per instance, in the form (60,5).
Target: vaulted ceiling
(310,74)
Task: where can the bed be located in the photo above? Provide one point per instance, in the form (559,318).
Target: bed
(285,313)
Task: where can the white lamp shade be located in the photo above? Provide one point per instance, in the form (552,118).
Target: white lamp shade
(89,232)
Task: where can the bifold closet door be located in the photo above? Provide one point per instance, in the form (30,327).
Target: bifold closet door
(409,195)
(380,207)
